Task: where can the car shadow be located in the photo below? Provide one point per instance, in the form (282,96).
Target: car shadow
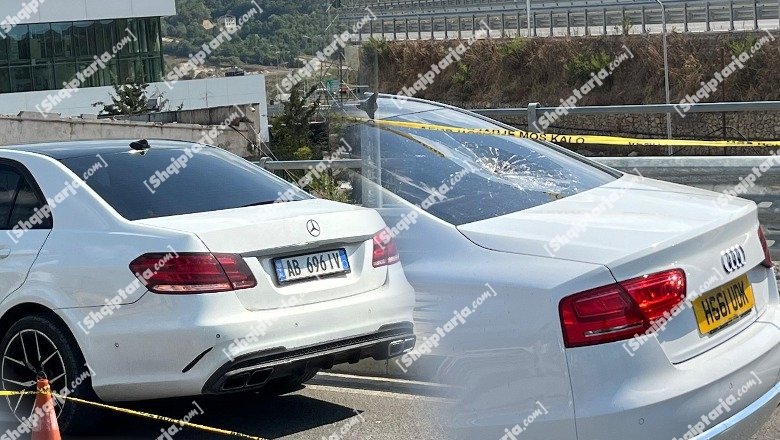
(256,414)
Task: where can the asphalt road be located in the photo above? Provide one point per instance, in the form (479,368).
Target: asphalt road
(334,407)
(361,409)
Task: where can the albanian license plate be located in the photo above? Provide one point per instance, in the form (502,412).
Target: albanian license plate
(717,308)
(311,265)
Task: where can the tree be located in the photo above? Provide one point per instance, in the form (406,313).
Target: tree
(128,99)
(292,134)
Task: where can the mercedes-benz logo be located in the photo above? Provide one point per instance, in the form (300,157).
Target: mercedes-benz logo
(313,227)
(733,258)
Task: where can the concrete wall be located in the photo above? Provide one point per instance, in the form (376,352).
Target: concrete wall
(50,11)
(207,116)
(193,94)
(29,128)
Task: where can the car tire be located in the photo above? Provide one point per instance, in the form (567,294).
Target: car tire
(45,345)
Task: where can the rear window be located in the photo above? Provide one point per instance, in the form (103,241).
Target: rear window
(465,177)
(140,186)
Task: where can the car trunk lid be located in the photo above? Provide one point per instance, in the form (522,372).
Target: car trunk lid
(637,227)
(267,233)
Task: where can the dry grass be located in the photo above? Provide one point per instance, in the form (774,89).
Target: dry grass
(534,71)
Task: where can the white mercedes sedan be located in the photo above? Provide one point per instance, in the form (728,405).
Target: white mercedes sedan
(567,300)
(143,270)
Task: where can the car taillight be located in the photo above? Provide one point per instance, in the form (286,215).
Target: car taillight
(618,311)
(767,256)
(385,250)
(237,271)
(193,273)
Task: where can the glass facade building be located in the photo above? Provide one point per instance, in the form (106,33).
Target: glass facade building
(38,57)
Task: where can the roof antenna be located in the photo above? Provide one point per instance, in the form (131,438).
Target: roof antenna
(141,145)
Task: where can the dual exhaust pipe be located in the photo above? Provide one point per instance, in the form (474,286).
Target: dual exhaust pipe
(400,346)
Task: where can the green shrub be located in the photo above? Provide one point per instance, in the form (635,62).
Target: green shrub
(741,45)
(379,45)
(513,47)
(463,76)
(579,68)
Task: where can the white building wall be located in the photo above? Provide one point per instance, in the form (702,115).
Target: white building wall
(50,11)
(193,94)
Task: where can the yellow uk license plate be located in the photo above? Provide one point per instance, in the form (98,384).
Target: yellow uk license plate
(719,307)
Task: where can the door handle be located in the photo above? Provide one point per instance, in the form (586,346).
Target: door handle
(4,253)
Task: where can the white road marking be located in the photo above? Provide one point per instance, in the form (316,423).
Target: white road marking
(382,379)
(376,393)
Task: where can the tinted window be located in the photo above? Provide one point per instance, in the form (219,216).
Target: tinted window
(9,181)
(471,177)
(25,205)
(140,186)
(18,200)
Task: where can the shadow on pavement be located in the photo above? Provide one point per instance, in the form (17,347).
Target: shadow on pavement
(256,414)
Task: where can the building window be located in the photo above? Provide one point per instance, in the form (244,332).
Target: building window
(5,80)
(19,44)
(21,79)
(81,37)
(62,40)
(40,41)
(43,56)
(153,69)
(42,76)
(64,72)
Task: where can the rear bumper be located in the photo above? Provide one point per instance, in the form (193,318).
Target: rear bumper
(650,398)
(182,345)
(746,422)
(257,369)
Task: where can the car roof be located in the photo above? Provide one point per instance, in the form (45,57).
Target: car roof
(71,149)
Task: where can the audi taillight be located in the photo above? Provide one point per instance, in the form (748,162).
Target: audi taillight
(190,273)
(767,256)
(619,311)
(385,250)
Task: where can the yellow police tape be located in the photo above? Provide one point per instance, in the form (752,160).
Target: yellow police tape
(581,139)
(181,423)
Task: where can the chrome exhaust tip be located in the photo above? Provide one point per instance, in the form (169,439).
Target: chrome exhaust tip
(395,348)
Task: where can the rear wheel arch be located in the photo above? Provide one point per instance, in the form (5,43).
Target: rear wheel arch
(74,418)
(19,311)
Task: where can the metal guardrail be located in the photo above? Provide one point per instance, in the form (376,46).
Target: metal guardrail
(714,173)
(399,19)
(535,110)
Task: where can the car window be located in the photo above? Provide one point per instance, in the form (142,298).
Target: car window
(468,177)
(26,206)
(9,181)
(140,186)
(19,200)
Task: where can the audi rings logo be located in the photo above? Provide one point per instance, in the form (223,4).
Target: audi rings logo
(733,258)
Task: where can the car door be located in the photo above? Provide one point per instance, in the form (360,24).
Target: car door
(23,225)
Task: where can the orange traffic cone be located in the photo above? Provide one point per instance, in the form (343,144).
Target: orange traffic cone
(45,425)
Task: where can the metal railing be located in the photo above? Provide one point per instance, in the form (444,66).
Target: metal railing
(449,19)
(535,110)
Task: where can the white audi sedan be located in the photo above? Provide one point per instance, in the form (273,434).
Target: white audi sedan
(567,300)
(142,270)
